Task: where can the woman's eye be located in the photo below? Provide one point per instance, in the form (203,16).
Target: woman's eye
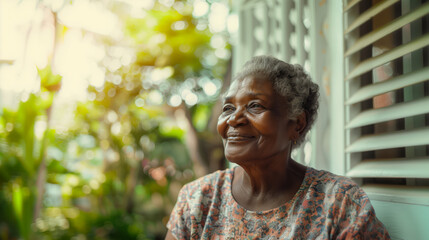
(255,105)
(227,108)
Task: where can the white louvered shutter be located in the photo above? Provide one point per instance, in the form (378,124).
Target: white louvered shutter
(387,98)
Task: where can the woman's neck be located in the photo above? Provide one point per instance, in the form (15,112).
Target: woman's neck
(264,187)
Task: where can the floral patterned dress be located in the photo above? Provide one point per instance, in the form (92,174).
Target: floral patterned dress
(326,206)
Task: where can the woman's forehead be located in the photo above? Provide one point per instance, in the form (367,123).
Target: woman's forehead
(252,81)
(250,86)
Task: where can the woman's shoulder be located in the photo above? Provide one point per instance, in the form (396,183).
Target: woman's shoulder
(209,184)
(336,192)
(327,182)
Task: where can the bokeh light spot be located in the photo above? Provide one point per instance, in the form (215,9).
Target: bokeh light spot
(217,41)
(232,23)
(139,102)
(175,100)
(200,8)
(155,97)
(191,99)
(112,116)
(116,128)
(179,25)
(218,17)
(209,88)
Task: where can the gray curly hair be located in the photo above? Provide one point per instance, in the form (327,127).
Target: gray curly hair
(291,82)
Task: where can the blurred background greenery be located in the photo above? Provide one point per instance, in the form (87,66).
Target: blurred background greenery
(107,108)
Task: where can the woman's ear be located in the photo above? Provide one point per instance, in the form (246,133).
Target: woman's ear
(298,126)
(301,122)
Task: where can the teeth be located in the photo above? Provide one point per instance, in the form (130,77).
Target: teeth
(237,138)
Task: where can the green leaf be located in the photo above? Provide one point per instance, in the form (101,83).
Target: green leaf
(49,81)
(17,201)
(201,116)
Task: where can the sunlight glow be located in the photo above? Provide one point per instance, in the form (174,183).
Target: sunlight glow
(79,52)
(144,4)
(217,17)
(159,74)
(232,23)
(96,79)
(93,17)
(39,128)
(14,19)
(55,5)
(24,25)
(76,58)
(200,8)
(167,3)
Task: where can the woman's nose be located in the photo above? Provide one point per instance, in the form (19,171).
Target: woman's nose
(236,119)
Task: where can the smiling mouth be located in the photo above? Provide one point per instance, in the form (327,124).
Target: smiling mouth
(239,138)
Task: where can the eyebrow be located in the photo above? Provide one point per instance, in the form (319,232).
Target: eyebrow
(248,94)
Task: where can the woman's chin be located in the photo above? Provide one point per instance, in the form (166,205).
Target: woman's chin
(237,158)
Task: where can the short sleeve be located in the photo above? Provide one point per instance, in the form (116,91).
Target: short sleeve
(179,223)
(357,218)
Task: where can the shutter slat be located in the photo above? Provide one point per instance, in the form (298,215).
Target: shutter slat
(368,14)
(395,83)
(388,56)
(396,193)
(286,29)
(396,111)
(404,138)
(388,28)
(250,4)
(391,168)
(351,4)
(299,29)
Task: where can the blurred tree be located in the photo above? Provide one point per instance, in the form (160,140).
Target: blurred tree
(173,76)
(24,137)
(23,156)
(179,55)
(115,173)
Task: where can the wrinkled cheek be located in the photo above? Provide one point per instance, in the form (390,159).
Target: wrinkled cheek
(224,142)
(221,126)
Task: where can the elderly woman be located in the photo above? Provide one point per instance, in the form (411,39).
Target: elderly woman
(267,112)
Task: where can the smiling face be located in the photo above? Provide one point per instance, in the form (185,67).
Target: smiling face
(254,123)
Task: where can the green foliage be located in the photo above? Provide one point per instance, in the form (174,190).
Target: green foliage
(22,153)
(115,172)
(49,82)
(161,45)
(201,116)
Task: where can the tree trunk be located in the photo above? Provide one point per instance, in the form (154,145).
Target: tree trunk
(41,172)
(206,150)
